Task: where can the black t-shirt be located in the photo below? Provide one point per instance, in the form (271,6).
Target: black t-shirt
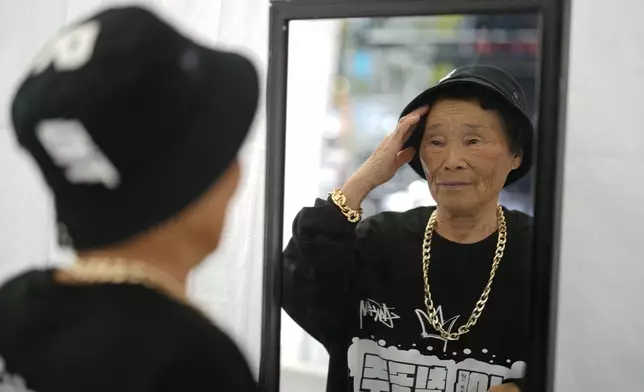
(110,337)
(359,291)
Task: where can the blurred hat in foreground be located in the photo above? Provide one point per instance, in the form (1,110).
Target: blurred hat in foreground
(130,121)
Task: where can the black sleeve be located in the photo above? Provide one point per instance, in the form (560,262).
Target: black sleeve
(318,266)
(206,363)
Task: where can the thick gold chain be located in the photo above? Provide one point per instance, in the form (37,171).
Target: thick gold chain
(480,305)
(97,270)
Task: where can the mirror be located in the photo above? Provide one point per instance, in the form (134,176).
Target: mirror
(355,295)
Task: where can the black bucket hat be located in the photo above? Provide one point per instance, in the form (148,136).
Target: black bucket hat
(130,122)
(481,77)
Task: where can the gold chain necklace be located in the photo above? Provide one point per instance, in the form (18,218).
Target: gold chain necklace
(480,305)
(97,270)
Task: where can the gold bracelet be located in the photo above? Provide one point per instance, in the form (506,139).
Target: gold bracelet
(340,200)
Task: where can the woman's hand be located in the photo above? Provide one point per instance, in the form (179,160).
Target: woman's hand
(383,163)
(509,387)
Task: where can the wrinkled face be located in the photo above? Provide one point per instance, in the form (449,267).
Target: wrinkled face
(465,154)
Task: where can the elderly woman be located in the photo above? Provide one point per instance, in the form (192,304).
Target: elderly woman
(435,298)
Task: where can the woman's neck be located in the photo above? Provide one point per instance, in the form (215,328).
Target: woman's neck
(171,256)
(467,227)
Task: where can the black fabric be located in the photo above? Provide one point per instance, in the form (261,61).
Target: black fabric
(359,291)
(494,80)
(167,113)
(59,338)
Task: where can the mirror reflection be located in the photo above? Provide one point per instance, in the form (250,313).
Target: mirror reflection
(408,203)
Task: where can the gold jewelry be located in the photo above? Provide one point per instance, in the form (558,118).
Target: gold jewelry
(480,305)
(340,200)
(98,270)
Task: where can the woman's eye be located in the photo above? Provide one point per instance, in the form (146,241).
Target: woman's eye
(473,141)
(435,143)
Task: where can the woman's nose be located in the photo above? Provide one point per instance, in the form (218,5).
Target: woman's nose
(454,159)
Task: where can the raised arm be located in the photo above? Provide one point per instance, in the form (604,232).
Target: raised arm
(326,248)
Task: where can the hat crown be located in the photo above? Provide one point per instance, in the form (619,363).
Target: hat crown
(121,111)
(500,79)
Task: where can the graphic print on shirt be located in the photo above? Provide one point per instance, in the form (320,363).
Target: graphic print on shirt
(376,368)
(425,325)
(11,383)
(380,313)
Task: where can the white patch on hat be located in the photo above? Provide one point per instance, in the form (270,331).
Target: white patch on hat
(69,51)
(72,149)
(516,97)
(449,75)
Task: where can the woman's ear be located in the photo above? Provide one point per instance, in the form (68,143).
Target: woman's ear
(517,158)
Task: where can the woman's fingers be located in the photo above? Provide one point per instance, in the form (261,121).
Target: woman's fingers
(405,156)
(421,110)
(407,124)
(405,128)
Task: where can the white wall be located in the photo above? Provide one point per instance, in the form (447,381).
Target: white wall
(26,220)
(311,66)
(229,285)
(601,318)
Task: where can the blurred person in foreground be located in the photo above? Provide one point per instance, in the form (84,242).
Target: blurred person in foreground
(136,130)
(434,298)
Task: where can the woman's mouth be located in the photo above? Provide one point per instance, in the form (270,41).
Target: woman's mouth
(453,184)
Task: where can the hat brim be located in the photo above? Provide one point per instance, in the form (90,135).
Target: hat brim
(430,95)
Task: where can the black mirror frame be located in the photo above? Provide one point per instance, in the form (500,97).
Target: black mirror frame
(555,16)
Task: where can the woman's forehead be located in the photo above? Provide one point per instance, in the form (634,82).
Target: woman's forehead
(466,113)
